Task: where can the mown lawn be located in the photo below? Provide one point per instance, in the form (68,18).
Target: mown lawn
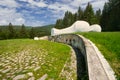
(109,44)
(30,59)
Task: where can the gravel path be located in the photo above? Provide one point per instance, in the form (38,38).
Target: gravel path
(21,65)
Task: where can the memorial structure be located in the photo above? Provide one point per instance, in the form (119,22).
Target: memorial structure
(78,26)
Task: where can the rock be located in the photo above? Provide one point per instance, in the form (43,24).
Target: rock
(19,77)
(31,78)
(5,71)
(30,74)
(37,68)
(43,77)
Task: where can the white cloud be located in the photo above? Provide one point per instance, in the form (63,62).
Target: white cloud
(72,5)
(23,0)
(99,4)
(76,3)
(9,3)
(35,23)
(10,15)
(3,22)
(40,3)
(61,7)
(54,11)
(20,20)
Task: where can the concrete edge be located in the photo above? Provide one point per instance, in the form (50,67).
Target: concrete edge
(107,68)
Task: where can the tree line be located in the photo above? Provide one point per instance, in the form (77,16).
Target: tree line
(21,31)
(108,18)
(12,32)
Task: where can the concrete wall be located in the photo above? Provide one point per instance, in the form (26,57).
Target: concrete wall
(79,47)
(96,65)
(70,39)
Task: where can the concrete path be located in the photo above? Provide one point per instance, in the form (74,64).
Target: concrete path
(98,67)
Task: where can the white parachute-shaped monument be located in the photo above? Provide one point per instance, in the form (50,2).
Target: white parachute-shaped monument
(78,26)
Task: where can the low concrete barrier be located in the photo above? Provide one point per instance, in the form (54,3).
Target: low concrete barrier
(78,45)
(70,39)
(97,67)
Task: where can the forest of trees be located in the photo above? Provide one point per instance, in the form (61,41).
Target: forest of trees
(19,32)
(108,18)
(12,32)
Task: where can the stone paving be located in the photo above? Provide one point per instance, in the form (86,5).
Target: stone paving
(20,65)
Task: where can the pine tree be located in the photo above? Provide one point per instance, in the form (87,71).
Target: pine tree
(111,15)
(59,24)
(114,11)
(89,14)
(80,14)
(98,16)
(23,33)
(65,20)
(32,33)
(104,17)
(11,31)
(75,17)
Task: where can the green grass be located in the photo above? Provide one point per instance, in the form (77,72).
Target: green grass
(53,57)
(109,44)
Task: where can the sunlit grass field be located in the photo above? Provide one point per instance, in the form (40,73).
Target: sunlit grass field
(29,59)
(109,44)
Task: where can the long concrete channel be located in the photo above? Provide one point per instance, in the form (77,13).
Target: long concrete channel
(91,64)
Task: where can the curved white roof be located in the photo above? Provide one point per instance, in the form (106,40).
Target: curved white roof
(78,26)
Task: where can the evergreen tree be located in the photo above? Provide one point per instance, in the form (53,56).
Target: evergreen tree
(23,33)
(89,14)
(98,16)
(32,33)
(65,19)
(75,17)
(80,14)
(114,11)
(111,15)
(59,24)
(11,31)
(104,17)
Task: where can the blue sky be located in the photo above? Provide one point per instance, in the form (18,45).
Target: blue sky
(40,12)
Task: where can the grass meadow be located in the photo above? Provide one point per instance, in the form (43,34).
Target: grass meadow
(109,44)
(29,59)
